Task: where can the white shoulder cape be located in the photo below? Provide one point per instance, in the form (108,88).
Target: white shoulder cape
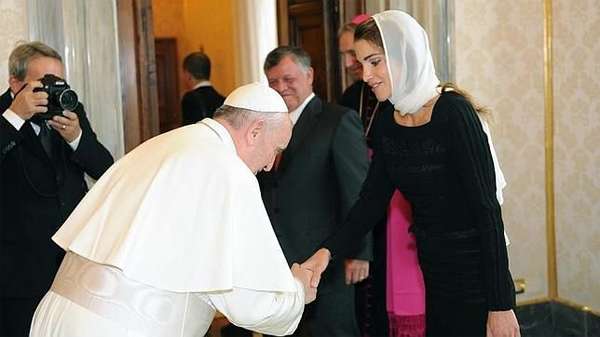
(183,213)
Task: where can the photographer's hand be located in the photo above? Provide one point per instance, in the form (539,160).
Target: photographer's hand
(26,103)
(66,125)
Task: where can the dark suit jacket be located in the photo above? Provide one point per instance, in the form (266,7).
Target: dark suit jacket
(36,195)
(318,180)
(371,294)
(200,103)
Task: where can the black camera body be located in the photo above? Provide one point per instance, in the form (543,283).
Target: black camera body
(60,96)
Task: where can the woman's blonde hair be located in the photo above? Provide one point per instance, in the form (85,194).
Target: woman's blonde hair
(481,110)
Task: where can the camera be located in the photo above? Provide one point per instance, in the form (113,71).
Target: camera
(60,96)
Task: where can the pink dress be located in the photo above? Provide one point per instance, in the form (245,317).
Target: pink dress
(405,287)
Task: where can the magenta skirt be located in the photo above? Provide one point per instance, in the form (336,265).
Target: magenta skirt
(405,291)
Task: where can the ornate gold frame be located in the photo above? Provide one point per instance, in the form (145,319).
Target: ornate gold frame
(549,151)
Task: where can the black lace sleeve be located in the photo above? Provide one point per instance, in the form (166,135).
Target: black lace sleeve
(370,208)
(471,154)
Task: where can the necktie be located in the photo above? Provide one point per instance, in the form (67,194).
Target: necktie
(45,137)
(277,161)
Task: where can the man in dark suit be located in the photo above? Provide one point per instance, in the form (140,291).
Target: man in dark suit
(202,100)
(42,166)
(317,180)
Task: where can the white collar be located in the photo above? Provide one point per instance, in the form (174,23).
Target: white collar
(295,115)
(221,131)
(204,83)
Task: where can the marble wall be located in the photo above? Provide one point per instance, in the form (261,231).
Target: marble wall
(91,56)
(577,149)
(13,28)
(84,33)
(499,59)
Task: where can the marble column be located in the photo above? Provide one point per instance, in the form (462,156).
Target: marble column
(85,34)
(13,28)
(255,36)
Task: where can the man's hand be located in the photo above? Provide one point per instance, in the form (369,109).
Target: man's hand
(304,276)
(502,324)
(317,264)
(356,270)
(67,125)
(27,103)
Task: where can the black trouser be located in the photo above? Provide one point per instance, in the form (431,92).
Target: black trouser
(331,314)
(16,315)
(371,311)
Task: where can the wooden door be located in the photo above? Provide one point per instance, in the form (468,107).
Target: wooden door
(311,25)
(169,107)
(138,71)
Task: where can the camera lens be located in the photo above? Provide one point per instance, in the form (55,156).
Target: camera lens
(68,100)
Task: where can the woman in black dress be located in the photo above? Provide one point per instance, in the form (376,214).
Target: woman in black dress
(432,147)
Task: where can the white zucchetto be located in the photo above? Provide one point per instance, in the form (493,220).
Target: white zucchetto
(256,97)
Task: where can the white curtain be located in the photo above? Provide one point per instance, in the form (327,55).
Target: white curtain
(85,34)
(255,35)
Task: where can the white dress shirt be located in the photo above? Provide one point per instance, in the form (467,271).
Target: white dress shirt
(17,122)
(295,115)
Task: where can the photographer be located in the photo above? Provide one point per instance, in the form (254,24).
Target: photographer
(44,153)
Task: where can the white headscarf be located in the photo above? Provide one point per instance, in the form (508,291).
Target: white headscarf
(409,61)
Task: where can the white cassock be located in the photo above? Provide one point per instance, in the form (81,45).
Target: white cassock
(180,217)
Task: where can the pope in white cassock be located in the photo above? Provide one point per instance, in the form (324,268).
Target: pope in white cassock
(176,230)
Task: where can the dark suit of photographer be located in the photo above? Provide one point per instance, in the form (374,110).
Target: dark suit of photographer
(40,184)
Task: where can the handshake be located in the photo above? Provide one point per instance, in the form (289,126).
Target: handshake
(309,273)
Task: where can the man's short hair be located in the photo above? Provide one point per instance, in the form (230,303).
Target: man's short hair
(239,117)
(198,65)
(349,27)
(19,58)
(298,55)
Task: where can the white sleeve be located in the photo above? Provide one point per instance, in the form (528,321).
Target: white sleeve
(75,143)
(14,119)
(273,313)
(500,179)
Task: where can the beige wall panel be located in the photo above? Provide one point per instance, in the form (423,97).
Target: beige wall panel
(13,28)
(499,60)
(577,149)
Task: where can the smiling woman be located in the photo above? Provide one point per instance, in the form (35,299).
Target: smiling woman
(372,58)
(442,163)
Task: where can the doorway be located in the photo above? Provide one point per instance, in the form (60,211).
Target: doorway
(169,114)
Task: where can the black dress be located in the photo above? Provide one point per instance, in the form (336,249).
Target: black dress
(445,170)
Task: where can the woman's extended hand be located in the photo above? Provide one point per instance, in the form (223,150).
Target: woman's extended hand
(502,324)
(317,264)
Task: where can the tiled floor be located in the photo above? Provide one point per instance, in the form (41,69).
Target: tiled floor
(557,320)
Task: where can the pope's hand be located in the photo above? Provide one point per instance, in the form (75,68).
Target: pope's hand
(304,275)
(317,264)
